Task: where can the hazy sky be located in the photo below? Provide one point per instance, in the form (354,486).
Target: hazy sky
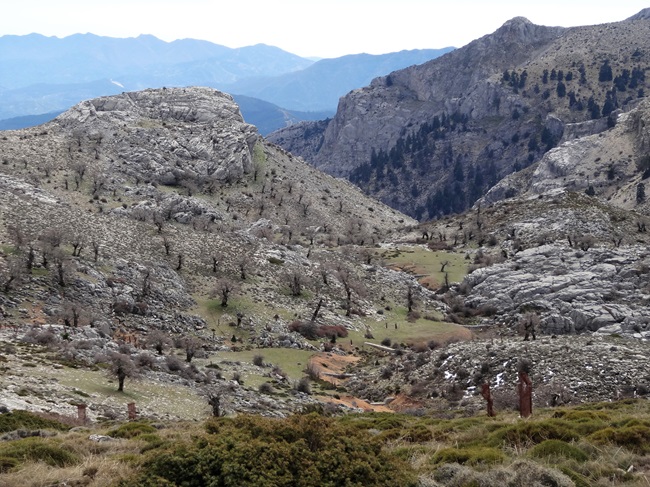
(305,27)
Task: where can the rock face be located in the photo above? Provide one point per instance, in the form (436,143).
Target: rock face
(609,164)
(572,290)
(218,144)
(431,139)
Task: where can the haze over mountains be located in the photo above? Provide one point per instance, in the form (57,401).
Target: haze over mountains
(41,74)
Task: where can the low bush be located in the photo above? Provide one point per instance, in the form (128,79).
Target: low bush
(532,432)
(25,420)
(635,438)
(131,430)
(469,456)
(37,450)
(556,450)
(307,450)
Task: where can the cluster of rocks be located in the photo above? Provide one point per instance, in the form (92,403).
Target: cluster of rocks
(564,370)
(571,290)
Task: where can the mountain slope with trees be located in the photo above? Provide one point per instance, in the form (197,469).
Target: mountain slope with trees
(431,139)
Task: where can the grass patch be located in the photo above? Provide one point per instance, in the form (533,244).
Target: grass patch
(292,362)
(419,331)
(427,264)
(26,420)
(131,430)
(37,449)
(469,456)
(525,433)
(556,451)
(635,438)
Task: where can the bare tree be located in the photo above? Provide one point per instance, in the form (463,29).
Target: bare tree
(350,286)
(63,266)
(214,400)
(77,241)
(121,366)
(191,345)
(225,287)
(529,322)
(13,274)
(72,314)
(243,264)
(296,283)
(410,298)
(158,340)
(96,247)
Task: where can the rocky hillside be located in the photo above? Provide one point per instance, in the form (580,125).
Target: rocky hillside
(431,139)
(163,211)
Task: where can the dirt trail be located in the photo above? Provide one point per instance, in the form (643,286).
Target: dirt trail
(331,368)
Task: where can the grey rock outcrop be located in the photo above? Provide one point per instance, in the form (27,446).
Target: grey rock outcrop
(572,290)
(218,145)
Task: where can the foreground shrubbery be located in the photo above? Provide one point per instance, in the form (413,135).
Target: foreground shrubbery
(606,445)
(305,450)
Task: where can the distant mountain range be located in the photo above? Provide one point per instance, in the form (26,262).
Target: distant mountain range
(40,74)
(319,86)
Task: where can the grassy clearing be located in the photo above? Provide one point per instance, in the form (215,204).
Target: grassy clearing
(427,264)
(169,399)
(292,362)
(408,332)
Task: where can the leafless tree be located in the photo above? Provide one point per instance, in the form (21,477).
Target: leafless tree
(529,322)
(96,247)
(224,289)
(158,340)
(13,274)
(350,286)
(121,366)
(191,345)
(63,266)
(77,241)
(72,314)
(410,298)
(296,283)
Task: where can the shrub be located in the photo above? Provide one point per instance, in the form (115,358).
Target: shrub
(266,388)
(527,432)
(25,420)
(7,463)
(303,385)
(173,363)
(131,430)
(469,456)
(38,450)
(556,450)
(635,438)
(307,450)
(258,360)
(418,434)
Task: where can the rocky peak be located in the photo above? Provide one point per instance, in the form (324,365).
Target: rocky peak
(168,134)
(642,15)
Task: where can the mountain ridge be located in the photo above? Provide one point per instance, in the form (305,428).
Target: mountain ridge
(492,125)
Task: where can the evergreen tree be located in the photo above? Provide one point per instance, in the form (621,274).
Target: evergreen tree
(605,73)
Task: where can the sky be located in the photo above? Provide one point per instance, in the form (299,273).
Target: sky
(309,28)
